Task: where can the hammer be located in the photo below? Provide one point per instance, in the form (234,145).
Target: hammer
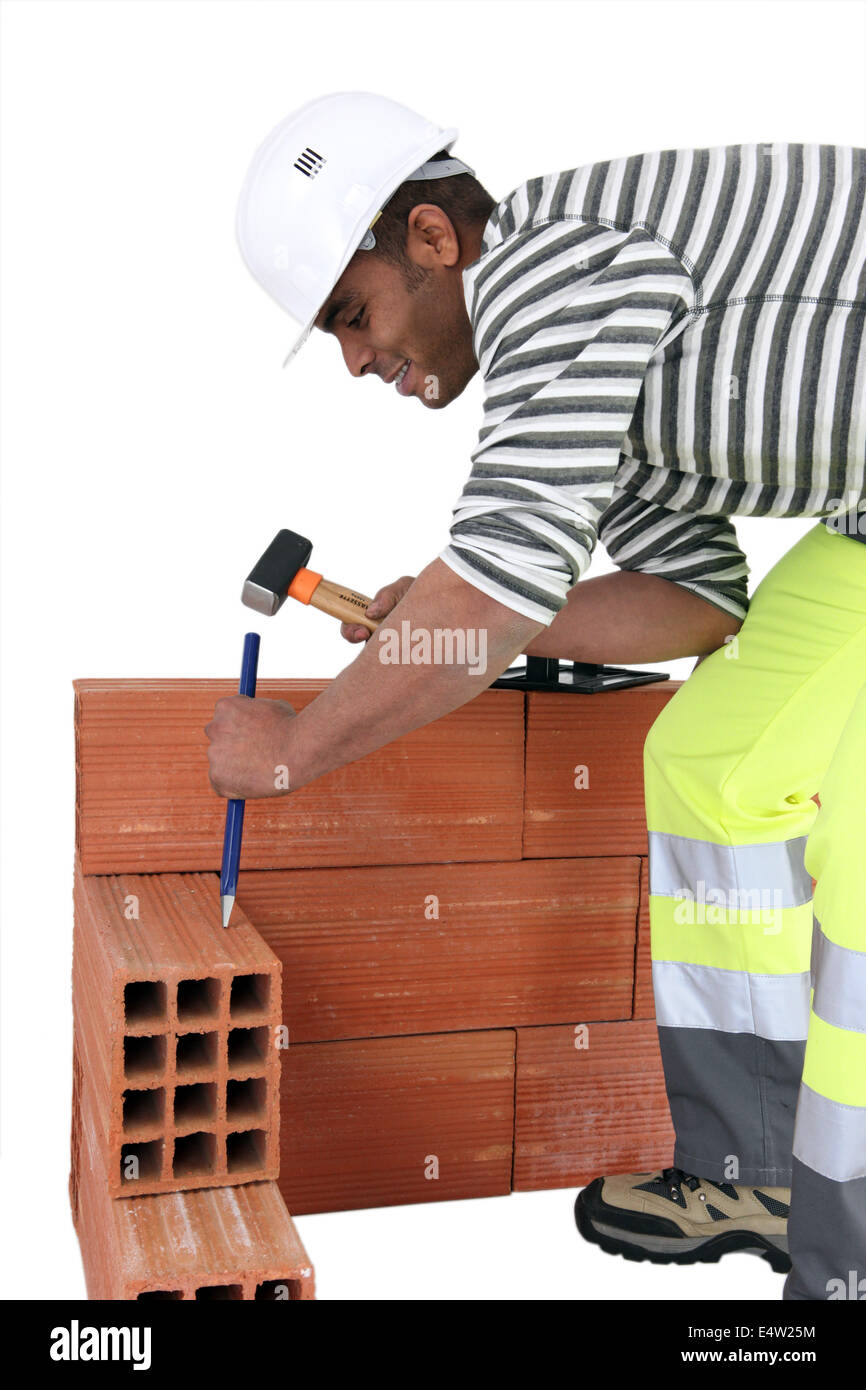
(281,573)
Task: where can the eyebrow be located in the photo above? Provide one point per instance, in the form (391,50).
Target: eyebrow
(335,307)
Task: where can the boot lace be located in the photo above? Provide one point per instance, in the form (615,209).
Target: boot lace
(677,1177)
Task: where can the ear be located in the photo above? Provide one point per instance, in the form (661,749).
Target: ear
(432,238)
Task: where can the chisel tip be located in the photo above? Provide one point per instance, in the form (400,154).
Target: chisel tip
(227,902)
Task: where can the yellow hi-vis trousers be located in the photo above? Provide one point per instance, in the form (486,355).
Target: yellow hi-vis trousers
(760,992)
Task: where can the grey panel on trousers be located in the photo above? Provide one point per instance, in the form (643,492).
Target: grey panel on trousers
(826,1237)
(742,873)
(732,1095)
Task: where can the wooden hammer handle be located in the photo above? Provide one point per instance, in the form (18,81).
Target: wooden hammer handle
(342,603)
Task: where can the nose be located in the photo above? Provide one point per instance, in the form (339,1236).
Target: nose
(358,358)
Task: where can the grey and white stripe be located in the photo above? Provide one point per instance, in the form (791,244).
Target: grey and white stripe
(666,340)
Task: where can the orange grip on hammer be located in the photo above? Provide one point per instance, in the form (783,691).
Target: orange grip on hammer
(304,585)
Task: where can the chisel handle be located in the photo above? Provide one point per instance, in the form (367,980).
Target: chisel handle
(249,665)
(235,808)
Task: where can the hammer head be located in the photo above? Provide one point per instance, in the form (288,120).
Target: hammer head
(267,583)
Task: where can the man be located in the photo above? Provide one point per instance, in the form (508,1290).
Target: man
(665,341)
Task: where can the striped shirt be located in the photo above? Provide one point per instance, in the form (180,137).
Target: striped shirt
(665,341)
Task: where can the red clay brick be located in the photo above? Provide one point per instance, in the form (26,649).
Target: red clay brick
(450,791)
(584,1112)
(216,1243)
(365,1122)
(644,1001)
(604,733)
(175,1021)
(515,943)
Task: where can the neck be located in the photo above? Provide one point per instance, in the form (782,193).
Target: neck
(470,244)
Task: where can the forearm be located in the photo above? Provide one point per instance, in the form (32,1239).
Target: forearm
(372,702)
(627,617)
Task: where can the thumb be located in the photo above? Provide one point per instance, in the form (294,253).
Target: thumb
(389,596)
(381,603)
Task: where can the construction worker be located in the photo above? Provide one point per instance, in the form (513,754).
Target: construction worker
(665,341)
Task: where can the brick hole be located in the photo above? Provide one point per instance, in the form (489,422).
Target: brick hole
(147,1165)
(144,1001)
(143,1110)
(246,1152)
(196,1052)
(194,1155)
(198,1001)
(246,1100)
(157,1295)
(217,1291)
(248,1047)
(278,1290)
(250,996)
(143,1056)
(195,1103)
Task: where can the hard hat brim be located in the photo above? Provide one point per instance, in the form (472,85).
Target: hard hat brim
(299,341)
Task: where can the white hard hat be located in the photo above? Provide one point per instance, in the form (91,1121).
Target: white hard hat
(317,183)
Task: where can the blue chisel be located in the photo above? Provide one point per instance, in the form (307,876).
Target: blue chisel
(235,809)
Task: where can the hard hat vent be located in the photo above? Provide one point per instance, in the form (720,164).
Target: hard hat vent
(309,162)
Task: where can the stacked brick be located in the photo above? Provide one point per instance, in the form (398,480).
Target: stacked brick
(176,1096)
(461,921)
(208,1244)
(175,1020)
(145,804)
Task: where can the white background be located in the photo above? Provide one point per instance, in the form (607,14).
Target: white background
(152,444)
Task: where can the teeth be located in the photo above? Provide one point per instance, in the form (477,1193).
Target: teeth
(402,372)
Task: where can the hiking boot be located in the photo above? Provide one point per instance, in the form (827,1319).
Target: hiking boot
(672,1217)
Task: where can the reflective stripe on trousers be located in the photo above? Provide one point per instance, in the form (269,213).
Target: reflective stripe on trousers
(731,765)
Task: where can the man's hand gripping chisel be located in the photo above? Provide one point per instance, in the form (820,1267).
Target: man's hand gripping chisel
(281,573)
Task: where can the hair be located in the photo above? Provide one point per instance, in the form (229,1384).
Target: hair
(466,202)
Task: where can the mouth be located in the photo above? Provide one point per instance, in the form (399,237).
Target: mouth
(400,378)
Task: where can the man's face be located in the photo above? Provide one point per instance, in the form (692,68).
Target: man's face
(416,337)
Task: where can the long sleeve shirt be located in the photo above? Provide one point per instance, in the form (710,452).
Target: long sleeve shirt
(665,341)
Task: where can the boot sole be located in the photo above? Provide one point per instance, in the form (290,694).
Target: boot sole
(683,1250)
